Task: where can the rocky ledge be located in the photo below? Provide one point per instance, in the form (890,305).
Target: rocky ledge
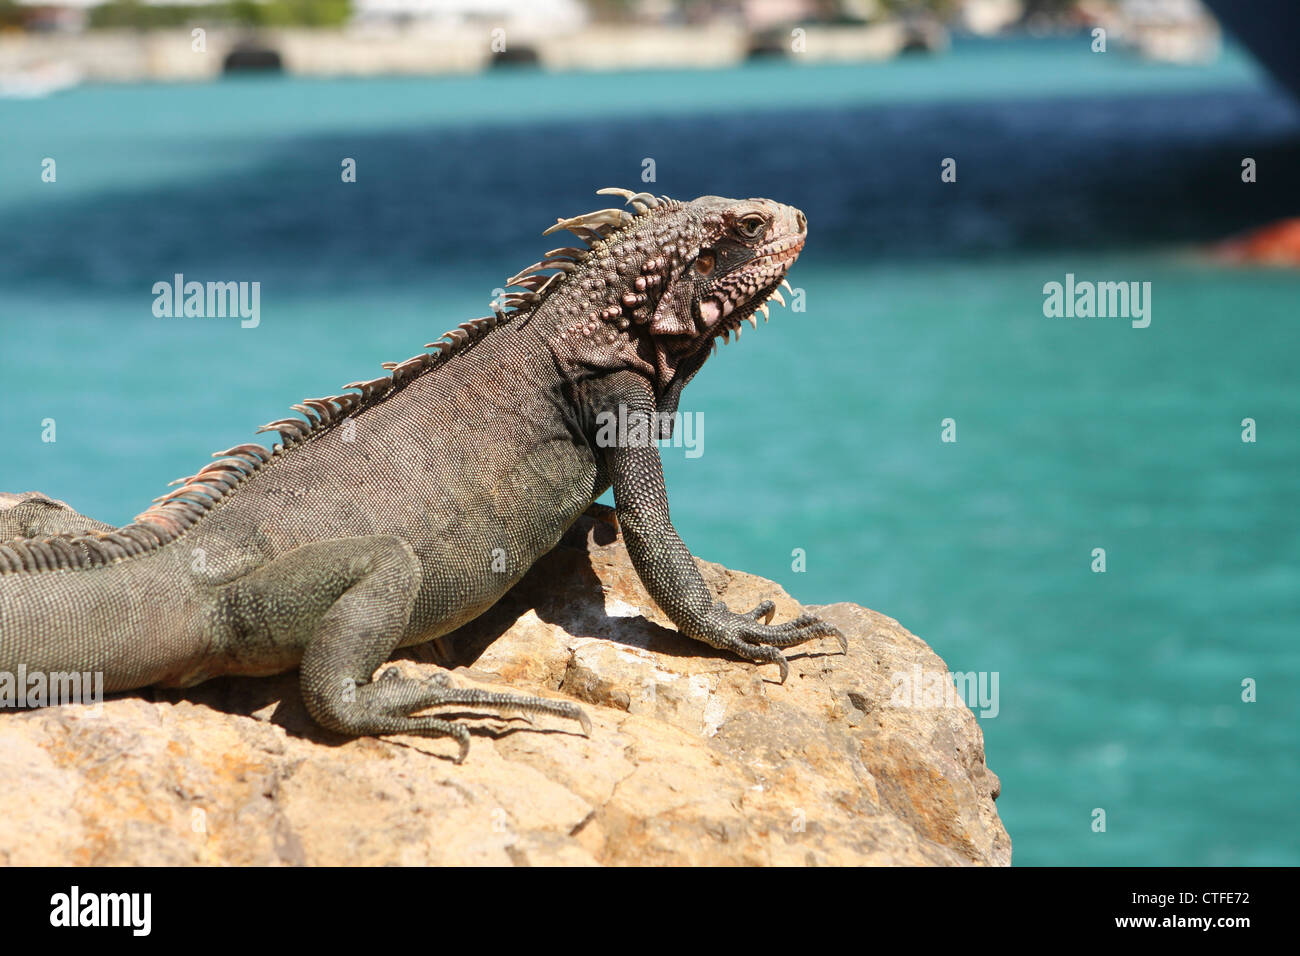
(695,757)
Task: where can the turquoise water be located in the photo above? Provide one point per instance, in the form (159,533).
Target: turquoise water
(1119,690)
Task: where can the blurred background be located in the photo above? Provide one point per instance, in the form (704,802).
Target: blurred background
(141,140)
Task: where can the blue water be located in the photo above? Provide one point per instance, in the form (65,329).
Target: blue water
(1119,691)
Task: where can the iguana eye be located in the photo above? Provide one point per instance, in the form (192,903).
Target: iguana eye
(704,263)
(751,226)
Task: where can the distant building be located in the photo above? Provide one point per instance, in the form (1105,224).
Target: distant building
(1177,31)
(532,17)
(988,17)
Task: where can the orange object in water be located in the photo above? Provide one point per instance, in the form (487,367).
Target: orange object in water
(1277,244)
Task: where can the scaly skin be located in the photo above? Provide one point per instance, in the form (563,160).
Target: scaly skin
(396,513)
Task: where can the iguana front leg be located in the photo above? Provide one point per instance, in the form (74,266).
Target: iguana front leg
(665,565)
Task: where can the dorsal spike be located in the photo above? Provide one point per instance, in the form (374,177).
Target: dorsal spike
(529,270)
(306,410)
(251,449)
(592,221)
(325,407)
(531,283)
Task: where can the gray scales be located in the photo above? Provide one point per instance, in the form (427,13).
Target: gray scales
(391,514)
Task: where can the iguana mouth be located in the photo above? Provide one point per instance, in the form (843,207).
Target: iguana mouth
(736,312)
(747,311)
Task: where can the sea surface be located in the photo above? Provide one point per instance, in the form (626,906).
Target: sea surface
(922,301)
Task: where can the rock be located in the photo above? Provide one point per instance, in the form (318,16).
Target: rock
(695,757)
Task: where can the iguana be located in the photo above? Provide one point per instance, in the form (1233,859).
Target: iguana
(393,513)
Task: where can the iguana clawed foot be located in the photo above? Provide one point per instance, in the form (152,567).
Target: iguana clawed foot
(407,695)
(753,637)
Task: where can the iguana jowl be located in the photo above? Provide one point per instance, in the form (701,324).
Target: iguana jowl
(378,520)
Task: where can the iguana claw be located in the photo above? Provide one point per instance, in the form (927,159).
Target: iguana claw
(765,610)
(751,635)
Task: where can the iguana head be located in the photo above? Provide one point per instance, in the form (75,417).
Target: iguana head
(659,288)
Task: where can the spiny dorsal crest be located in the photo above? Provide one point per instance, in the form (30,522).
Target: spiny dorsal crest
(172,514)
